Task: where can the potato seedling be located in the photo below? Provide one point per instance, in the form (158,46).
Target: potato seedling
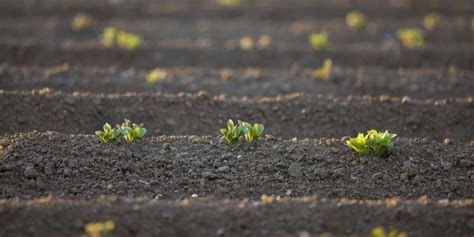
(108,37)
(246,43)
(319,41)
(128,40)
(251,132)
(131,131)
(411,38)
(81,21)
(228,3)
(355,20)
(431,21)
(324,72)
(109,134)
(373,142)
(99,229)
(379,231)
(233,132)
(156,75)
(263,42)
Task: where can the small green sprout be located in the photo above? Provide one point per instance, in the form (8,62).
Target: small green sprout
(228,3)
(81,21)
(156,75)
(379,231)
(324,72)
(108,37)
(411,38)
(319,41)
(99,229)
(128,40)
(380,144)
(431,21)
(233,132)
(251,132)
(355,20)
(131,131)
(109,134)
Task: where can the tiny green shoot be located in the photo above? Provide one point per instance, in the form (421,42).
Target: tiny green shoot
(99,229)
(355,20)
(324,72)
(411,38)
(128,41)
(379,231)
(108,37)
(109,134)
(228,3)
(233,132)
(251,132)
(373,142)
(431,21)
(319,41)
(156,75)
(81,21)
(131,131)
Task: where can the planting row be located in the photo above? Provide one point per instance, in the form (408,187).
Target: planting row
(149,57)
(207,33)
(298,115)
(81,166)
(291,218)
(271,10)
(256,82)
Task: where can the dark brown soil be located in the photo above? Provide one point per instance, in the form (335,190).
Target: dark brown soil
(79,166)
(302,116)
(44,55)
(257,82)
(292,218)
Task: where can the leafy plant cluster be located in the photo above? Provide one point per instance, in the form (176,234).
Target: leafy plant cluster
(128,130)
(319,41)
(234,132)
(411,38)
(99,229)
(372,143)
(379,231)
(125,40)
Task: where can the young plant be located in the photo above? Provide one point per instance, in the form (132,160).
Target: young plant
(233,132)
(131,131)
(81,21)
(431,21)
(251,132)
(156,75)
(228,3)
(99,229)
(379,231)
(109,134)
(324,72)
(355,20)
(373,142)
(319,41)
(108,37)
(411,38)
(128,40)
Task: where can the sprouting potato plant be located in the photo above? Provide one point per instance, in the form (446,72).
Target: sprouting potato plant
(251,132)
(228,3)
(246,43)
(373,142)
(263,42)
(99,229)
(131,131)
(411,38)
(81,21)
(108,134)
(128,130)
(124,40)
(156,75)
(319,41)
(431,21)
(379,231)
(324,72)
(355,20)
(233,132)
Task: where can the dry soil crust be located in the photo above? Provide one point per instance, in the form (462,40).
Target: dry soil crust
(287,218)
(298,115)
(79,166)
